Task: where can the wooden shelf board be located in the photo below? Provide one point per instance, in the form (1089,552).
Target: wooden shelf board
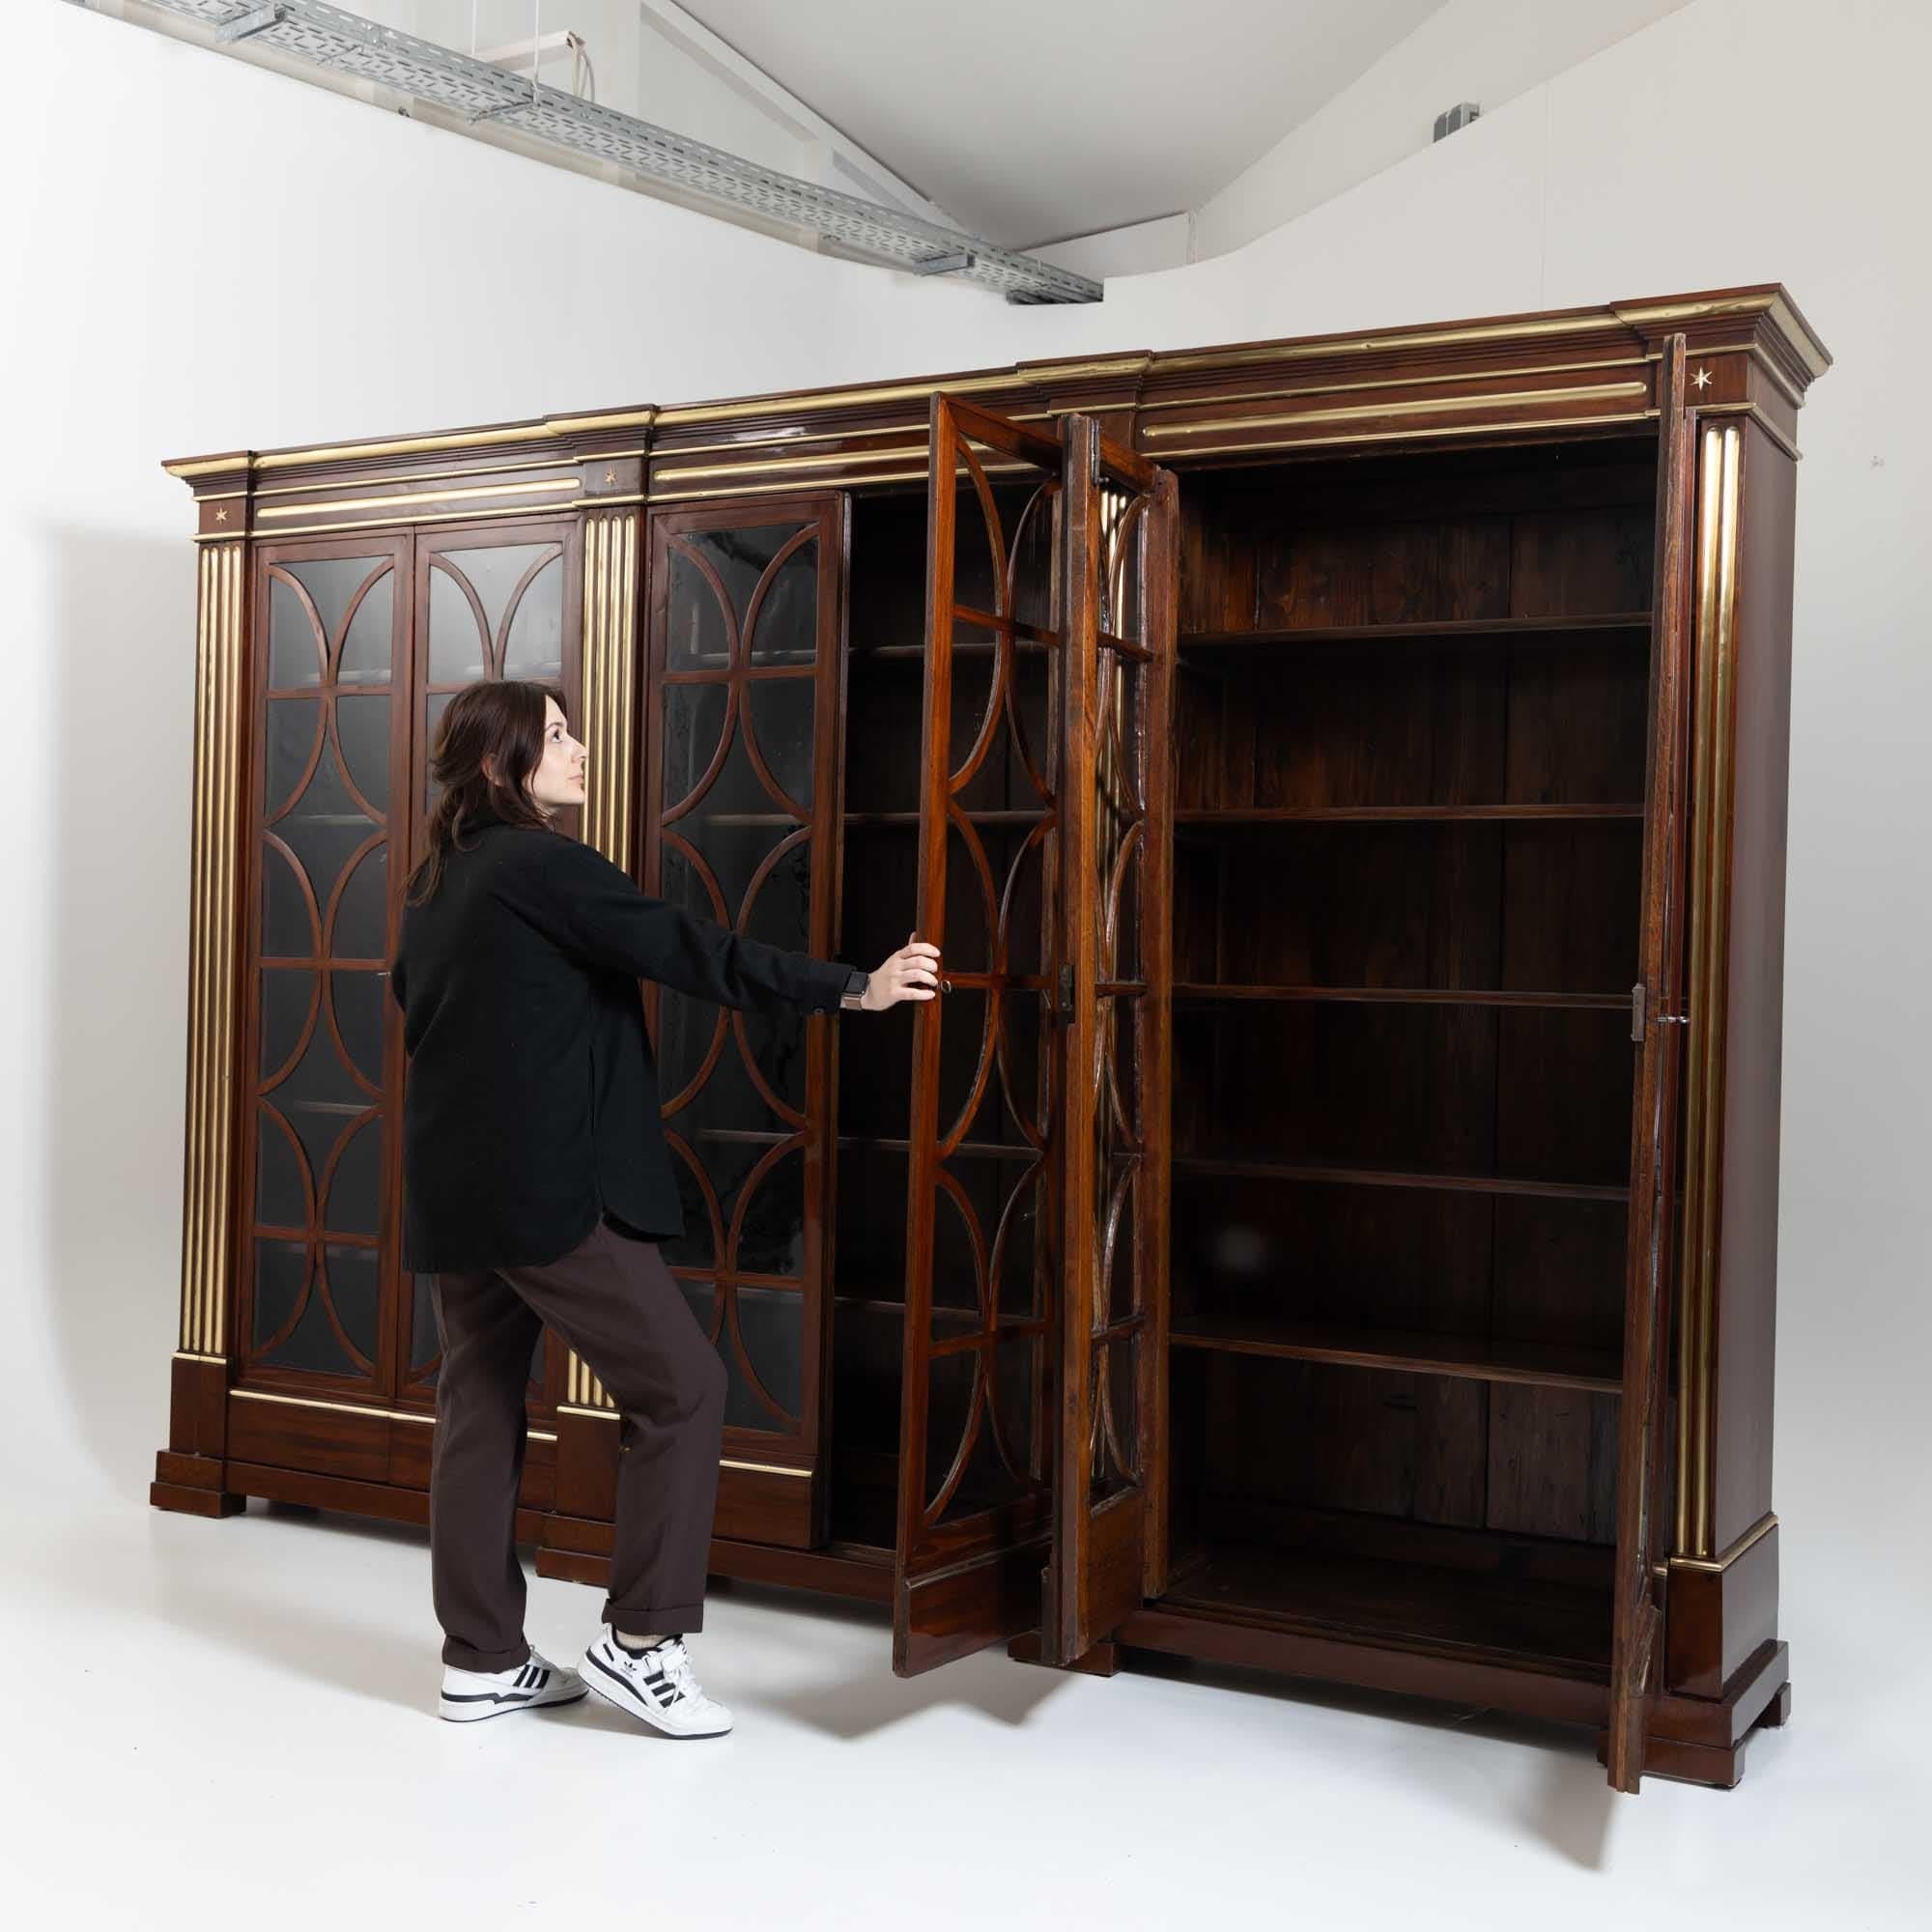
(1203,992)
(1488,1613)
(1468,1358)
(1403,814)
(1443,631)
(1455,1180)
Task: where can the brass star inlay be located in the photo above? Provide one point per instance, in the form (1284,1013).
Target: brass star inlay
(609,476)
(1702,379)
(221,514)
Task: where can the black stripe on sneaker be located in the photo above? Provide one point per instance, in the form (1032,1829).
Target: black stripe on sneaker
(486,1697)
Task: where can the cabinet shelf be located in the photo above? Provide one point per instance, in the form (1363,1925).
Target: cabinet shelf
(1469,1358)
(1399,815)
(1337,1174)
(1633,623)
(1208,993)
(1485,1613)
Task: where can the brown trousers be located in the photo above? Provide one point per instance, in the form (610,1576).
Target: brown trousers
(614,1301)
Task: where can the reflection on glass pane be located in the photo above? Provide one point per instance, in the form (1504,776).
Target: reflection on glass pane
(786,630)
(287,929)
(425,1344)
(781,913)
(354,1278)
(280,1267)
(695,1248)
(694,717)
(1024,1069)
(778,1043)
(698,634)
(771,1240)
(314,1346)
(434,706)
(354,1204)
(456,653)
(973,683)
(772,1324)
(732,850)
(955,1266)
(362,913)
(1034,554)
(331,581)
(742,557)
(700,1297)
(294,724)
(361,1005)
(494,571)
(1120,1284)
(363,724)
(950,1405)
(536,629)
(366,649)
(782,711)
(286,994)
(319,1099)
(1018,1280)
(1018,1394)
(686,1031)
(280,1197)
(976,580)
(295,650)
(324,830)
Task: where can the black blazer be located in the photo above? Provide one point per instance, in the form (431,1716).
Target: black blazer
(532,1101)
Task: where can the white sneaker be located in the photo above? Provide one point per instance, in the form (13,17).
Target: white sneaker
(657,1685)
(470,1694)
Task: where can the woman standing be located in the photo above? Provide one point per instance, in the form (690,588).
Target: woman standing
(538,1187)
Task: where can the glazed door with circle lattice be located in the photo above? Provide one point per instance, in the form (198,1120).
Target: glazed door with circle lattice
(493,600)
(1122,517)
(741,822)
(982,1247)
(328,812)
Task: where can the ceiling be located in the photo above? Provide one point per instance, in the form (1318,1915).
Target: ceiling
(1030,121)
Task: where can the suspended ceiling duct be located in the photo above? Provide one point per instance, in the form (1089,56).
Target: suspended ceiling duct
(308,33)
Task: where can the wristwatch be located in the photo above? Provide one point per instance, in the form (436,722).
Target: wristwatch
(852,1000)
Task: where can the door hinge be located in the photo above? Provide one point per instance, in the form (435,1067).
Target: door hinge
(1638,999)
(1093,455)
(1066,993)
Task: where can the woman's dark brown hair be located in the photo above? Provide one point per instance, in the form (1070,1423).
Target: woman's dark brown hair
(502,721)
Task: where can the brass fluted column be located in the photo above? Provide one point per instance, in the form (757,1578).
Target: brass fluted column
(1718,458)
(610,646)
(215,927)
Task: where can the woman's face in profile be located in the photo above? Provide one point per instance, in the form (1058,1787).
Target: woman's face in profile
(558,782)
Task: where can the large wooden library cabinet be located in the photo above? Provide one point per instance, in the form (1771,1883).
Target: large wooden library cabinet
(1328,1220)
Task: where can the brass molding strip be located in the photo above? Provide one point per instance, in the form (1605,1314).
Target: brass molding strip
(416,476)
(407,445)
(1415,435)
(785,440)
(1717,495)
(543,488)
(575,1407)
(763,1469)
(1732,1551)
(207,1168)
(386,523)
(608,675)
(639,418)
(777,481)
(1421,405)
(1784,317)
(1393,382)
(361,1408)
(898,453)
(195,1355)
(1376,345)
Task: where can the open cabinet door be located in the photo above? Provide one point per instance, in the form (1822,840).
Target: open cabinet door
(1115,835)
(1657,1024)
(985,1131)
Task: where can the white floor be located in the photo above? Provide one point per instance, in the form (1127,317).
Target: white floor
(231,1723)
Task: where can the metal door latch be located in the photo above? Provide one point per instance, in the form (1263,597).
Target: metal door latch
(1066,993)
(1639,998)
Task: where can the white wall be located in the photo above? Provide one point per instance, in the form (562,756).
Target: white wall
(1735,140)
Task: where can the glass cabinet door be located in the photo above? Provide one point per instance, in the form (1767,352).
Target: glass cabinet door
(331,624)
(740,825)
(489,601)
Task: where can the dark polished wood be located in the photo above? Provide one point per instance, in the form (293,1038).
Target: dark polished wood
(1289,1242)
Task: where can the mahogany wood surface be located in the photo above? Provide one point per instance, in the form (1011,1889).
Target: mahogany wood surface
(1389,1401)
